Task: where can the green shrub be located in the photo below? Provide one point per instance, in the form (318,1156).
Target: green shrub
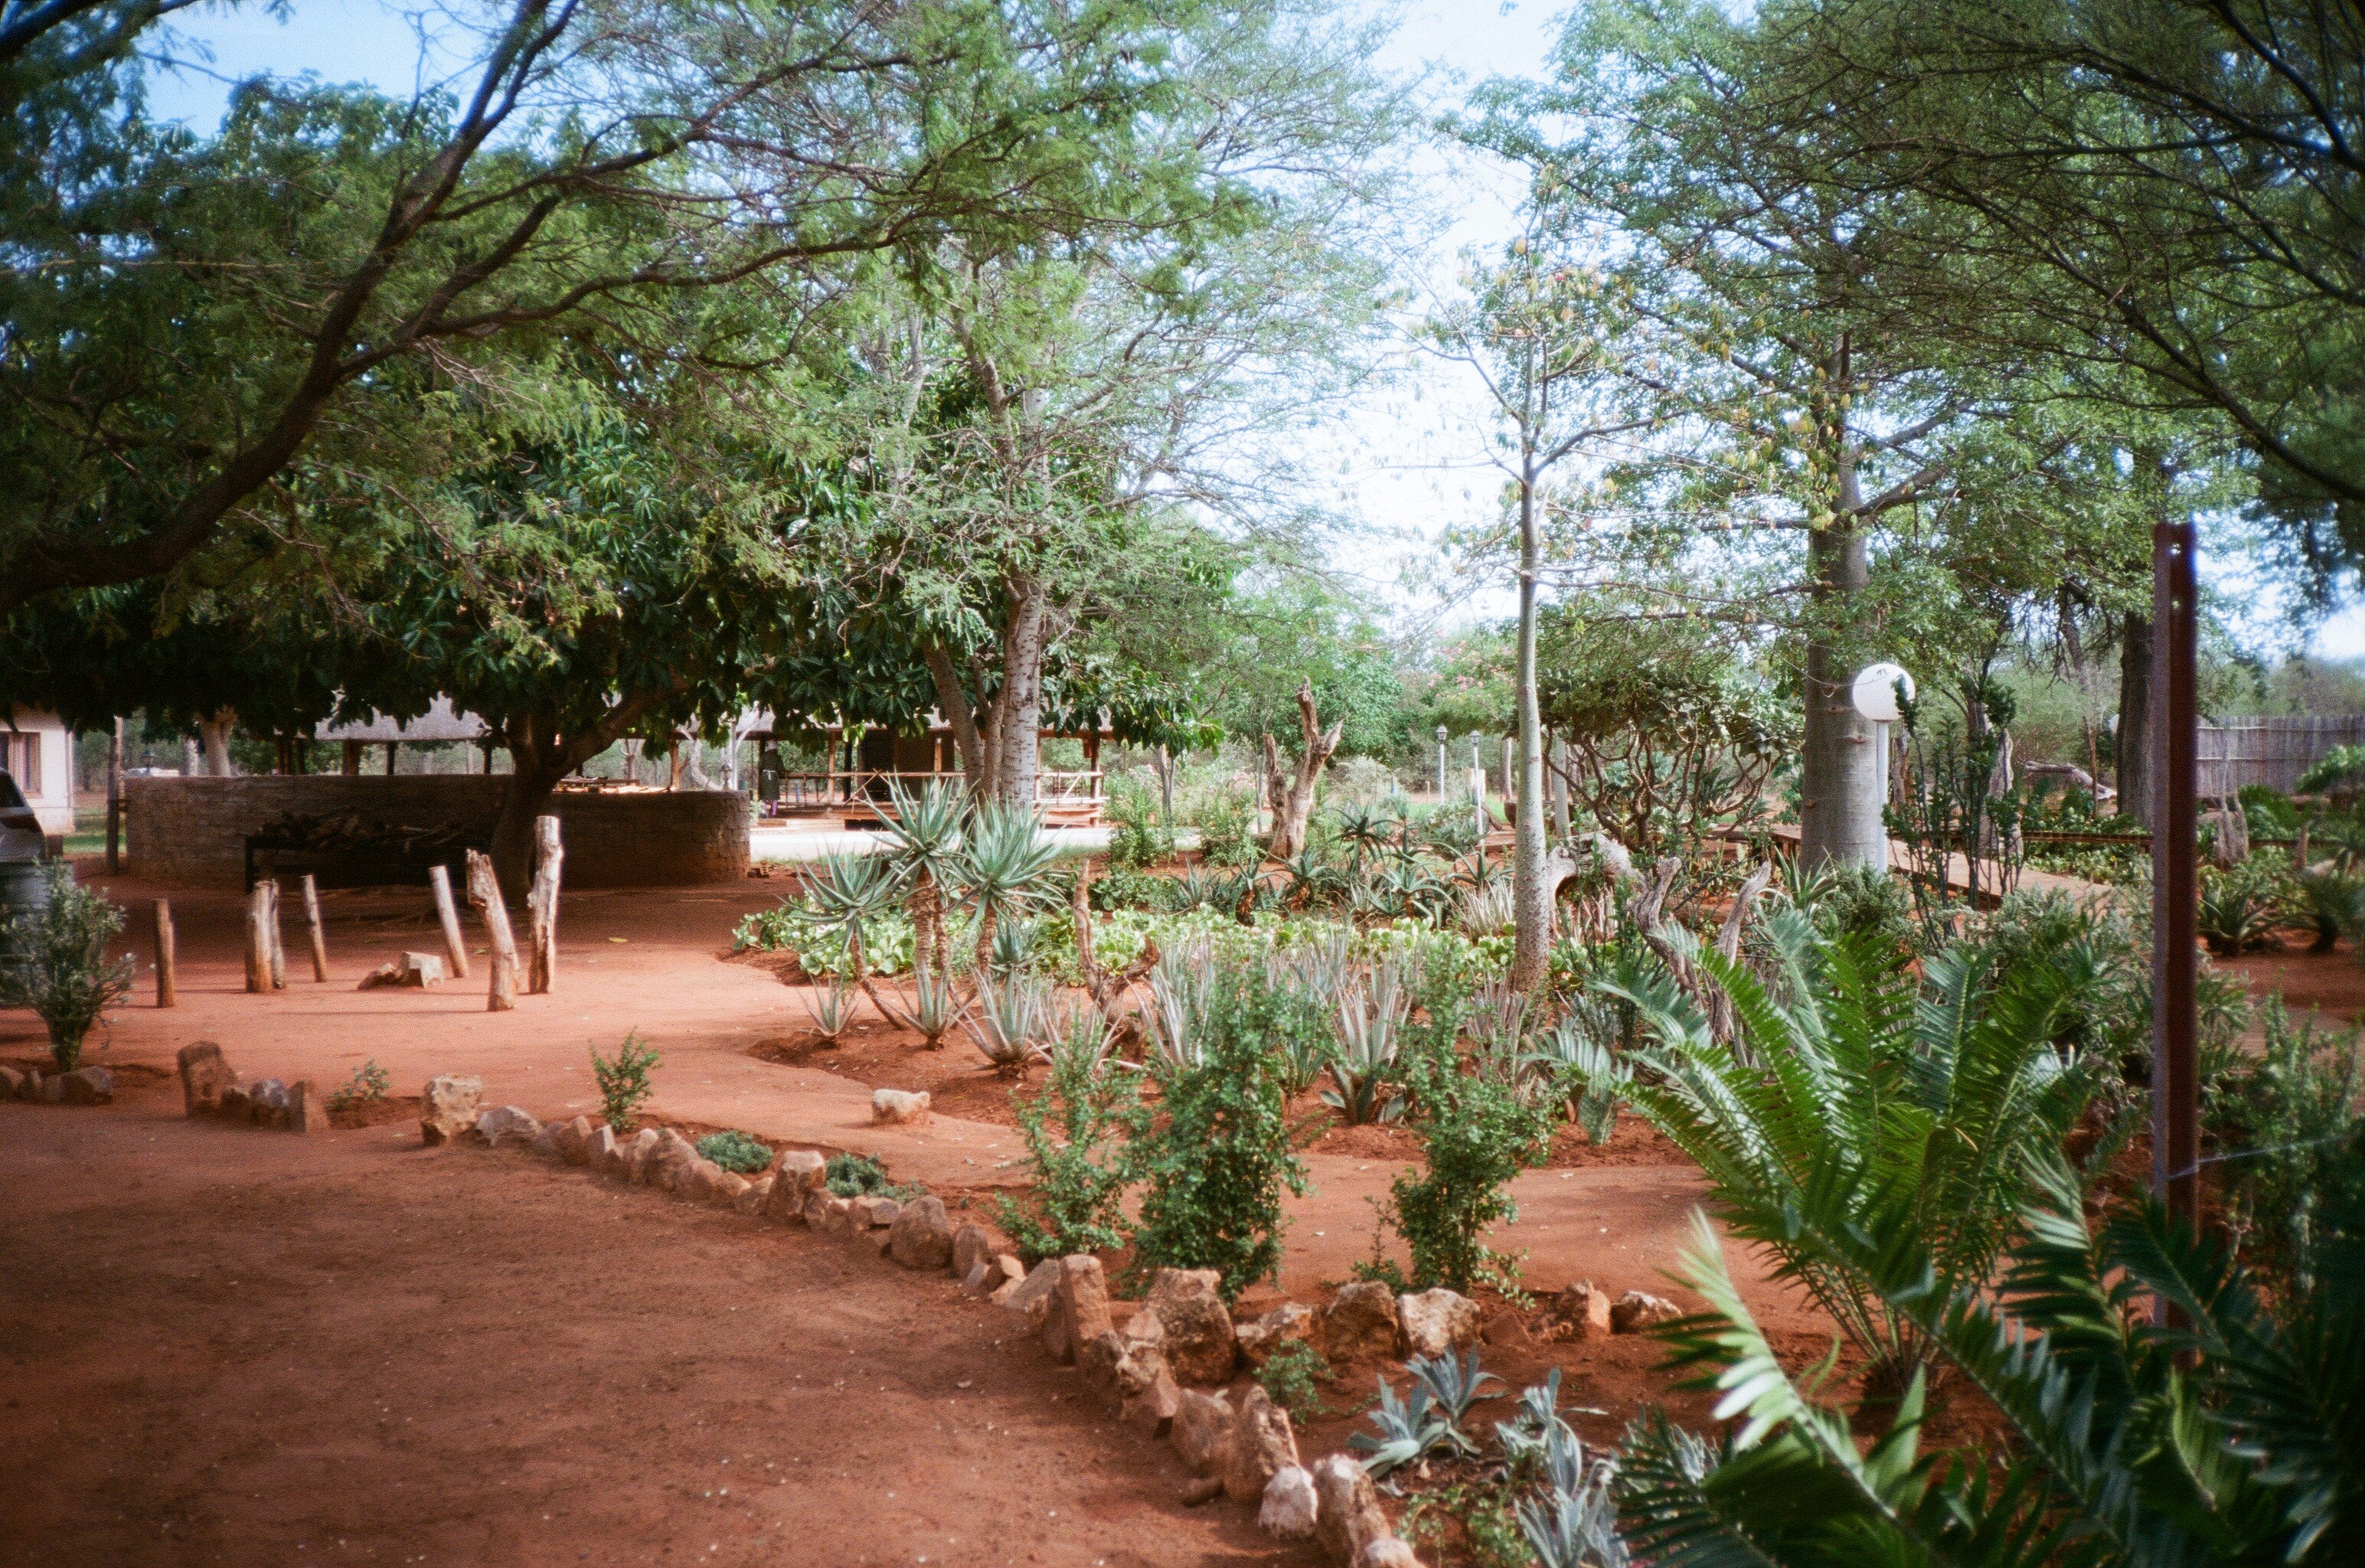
(1849,900)
(53,960)
(1217,1168)
(1477,1132)
(1292,1377)
(1077,1131)
(737,1151)
(1228,830)
(860,1176)
(625,1082)
(1139,837)
(2286,1115)
(367,1086)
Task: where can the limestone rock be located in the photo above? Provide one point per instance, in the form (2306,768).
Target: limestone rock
(1201,1432)
(1361,1321)
(203,1075)
(1347,1514)
(875,1212)
(1200,1345)
(12,1084)
(1202,1489)
(604,1154)
(233,1104)
(49,1088)
(1152,1409)
(1581,1311)
(1387,1552)
(817,1209)
(637,1154)
(800,1170)
(838,1217)
(1258,1337)
(1263,1445)
(266,1097)
(722,1187)
(753,1195)
(1079,1309)
(1438,1322)
(1288,1508)
(899,1105)
(415,971)
(1637,1310)
(972,1245)
(922,1237)
(995,1276)
(88,1086)
(1031,1298)
(308,1108)
(506,1125)
(448,1107)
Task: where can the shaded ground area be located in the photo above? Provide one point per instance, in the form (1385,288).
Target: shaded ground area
(242,1347)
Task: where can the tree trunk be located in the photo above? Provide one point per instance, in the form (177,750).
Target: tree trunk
(954,703)
(2131,746)
(1019,708)
(215,733)
(542,907)
(1532,898)
(1293,799)
(527,798)
(1839,787)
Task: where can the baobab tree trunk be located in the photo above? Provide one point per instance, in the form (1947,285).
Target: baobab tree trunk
(215,731)
(1292,798)
(1839,785)
(1019,706)
(1531,898)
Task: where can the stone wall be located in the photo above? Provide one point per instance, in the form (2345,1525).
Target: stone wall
(192,832)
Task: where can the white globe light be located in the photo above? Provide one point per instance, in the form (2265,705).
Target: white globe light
(1874,694)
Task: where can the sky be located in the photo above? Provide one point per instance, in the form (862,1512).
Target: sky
(1405,462)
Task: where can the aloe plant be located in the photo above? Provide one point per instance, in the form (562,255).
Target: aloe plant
(1372,1016)
(1002,867)
(852,891)
(831,1007)
(935,1006)
(1013,1023)
(1574,1056)
(1179,988)
(923,847)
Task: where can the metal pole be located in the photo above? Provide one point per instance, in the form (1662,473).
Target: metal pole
(2175,1097)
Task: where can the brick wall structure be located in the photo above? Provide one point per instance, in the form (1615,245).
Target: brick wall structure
(192,832)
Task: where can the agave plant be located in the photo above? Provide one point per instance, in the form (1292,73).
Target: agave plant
(934,1008)
(1455,1384)
(1312,880)
(923,847)
(1408,1428)
(1487,909)
(1367,832)
(1017,945)
(851,892)
(1938,1094)
(1193,890)
(2235,915)
(1571,1521)
(1014,1022)
(1180,987)
(831,1007)
(1002,865)
(2333,904)
(1371,1021)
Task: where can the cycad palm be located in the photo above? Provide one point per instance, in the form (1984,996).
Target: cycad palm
(1873,1090)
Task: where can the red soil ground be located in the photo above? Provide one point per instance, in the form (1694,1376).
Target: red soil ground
(227,1345)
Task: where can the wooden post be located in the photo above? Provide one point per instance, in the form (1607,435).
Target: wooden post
(485,893)
(2175,881)
(312,928)
(352,768)
(258,937)
(542,907)
(439,879)
(271,930)
(168,983)
(115,799)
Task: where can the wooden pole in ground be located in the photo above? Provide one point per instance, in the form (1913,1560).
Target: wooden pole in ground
(271,929)
(2175,880)
(115,799)
(542,907)
(168,983)
(312,928)
(258,937)
(485,893)
(439,879)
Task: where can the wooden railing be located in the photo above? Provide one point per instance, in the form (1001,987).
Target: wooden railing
(870,787)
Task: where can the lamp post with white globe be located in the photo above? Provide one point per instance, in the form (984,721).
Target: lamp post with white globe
(1878,693)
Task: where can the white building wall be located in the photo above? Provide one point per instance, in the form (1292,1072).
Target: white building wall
(37,751)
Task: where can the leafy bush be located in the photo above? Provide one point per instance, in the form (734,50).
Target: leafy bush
(53,960)
(860,1176)
(1140,836)
(1292,1377)
(367,1086)
(2285,1117)
(1860,901)
(1477,1132)
(625,1082)
(1217,1168)
(1228,830)
(2270,812)
(1077,1131)
(737,1151)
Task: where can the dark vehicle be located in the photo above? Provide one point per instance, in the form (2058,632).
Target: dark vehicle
(20,830)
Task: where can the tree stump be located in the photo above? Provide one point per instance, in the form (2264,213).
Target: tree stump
(542,907)
(485,893)
(439,880)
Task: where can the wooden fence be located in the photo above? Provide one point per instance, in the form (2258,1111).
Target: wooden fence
(2273,752)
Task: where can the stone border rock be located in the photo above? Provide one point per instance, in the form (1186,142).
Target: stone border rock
(84,1086)
(208,1088)
(1151,1372)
